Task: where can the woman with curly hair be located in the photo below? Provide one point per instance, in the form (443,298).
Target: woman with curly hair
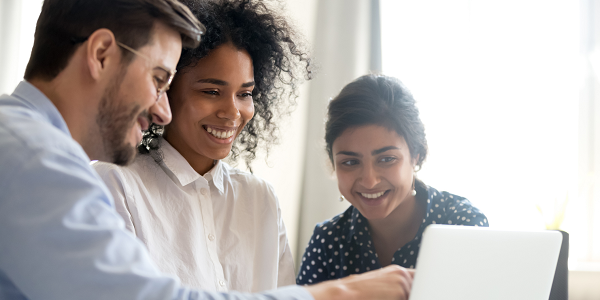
(214,226)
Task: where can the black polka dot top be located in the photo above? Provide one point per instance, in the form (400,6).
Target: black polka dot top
(342,246)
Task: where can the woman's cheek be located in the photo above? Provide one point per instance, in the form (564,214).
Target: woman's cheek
(345,180)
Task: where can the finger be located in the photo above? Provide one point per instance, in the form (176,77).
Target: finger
(407,273)
(406,285)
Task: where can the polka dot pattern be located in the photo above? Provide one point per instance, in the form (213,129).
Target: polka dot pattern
(345,246)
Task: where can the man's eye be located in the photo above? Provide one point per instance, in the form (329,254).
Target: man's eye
(160,81)
(214,93)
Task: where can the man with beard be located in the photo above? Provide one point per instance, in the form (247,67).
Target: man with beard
(96,78)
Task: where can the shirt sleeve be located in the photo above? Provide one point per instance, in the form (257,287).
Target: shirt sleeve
(60,237)
(312,269)
(285,272)
(116,184)
(462,212)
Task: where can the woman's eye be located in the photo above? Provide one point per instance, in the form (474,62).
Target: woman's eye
(246,95)
(214,93)
(349,163)
(388,159)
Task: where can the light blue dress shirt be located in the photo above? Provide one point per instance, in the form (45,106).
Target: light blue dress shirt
(60,237)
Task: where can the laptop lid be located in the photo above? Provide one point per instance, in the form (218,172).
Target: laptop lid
(476,263)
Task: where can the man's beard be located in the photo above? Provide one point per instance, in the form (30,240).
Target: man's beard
(115,119)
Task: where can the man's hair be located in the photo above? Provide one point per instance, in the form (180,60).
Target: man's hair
(64,24)
(278,57)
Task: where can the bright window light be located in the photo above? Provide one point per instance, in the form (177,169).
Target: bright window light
(497,83)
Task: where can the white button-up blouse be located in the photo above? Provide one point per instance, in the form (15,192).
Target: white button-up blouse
(221,231)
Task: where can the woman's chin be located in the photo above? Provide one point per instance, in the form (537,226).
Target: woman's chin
(219,154)
(374,214)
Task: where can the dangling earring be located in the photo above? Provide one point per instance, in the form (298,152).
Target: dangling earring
(414,191)
(342,198)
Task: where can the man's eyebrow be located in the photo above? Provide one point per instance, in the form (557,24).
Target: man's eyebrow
(213,81)
(248,84)
(349,153)
(375,152)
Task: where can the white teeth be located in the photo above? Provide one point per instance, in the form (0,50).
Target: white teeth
(220,134)
(372,196)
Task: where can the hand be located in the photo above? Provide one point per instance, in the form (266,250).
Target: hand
(391,282)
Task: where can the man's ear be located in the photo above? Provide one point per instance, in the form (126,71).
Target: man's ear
(102,51)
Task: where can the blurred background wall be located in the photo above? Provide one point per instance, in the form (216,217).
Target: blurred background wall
(508,91)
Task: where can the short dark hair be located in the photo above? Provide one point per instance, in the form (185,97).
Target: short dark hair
(64,23)
(277,56)
(377,100)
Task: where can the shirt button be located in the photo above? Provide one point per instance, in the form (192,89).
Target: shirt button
(211,237)
(222,283)
(203,191)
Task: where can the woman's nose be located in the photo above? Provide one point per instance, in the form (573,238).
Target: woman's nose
(229,110)
(369,177)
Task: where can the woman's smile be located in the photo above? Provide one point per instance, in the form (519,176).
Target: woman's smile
(221,135)
(373,198)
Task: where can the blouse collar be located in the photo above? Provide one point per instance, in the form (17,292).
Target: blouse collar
(183,171)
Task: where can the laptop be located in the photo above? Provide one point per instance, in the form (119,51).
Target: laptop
(477,263)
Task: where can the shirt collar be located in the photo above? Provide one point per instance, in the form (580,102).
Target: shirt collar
(184,172)
(177,164)
(36,100)
(217,174)
(430,199)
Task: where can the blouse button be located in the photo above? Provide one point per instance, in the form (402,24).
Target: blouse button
(222,283)
(203,192)
(211,237)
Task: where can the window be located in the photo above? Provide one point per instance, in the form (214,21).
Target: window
(17,19)
(501,86)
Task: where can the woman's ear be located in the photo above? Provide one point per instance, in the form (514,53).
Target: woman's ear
(415,161)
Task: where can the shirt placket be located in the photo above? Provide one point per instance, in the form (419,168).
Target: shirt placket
(208,221)
(366,254)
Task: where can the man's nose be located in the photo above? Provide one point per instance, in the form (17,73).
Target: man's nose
(161,111)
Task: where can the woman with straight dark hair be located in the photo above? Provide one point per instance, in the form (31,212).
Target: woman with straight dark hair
(376,143)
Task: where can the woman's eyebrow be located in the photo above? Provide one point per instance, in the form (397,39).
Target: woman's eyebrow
(248,84)
(349,153)
(378,151)
(213,81)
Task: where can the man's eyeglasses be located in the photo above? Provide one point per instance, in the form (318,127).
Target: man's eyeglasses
(162,80)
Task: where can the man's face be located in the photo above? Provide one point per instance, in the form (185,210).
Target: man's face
(130,104)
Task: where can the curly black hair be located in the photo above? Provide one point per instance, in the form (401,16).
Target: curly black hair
(277,56)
